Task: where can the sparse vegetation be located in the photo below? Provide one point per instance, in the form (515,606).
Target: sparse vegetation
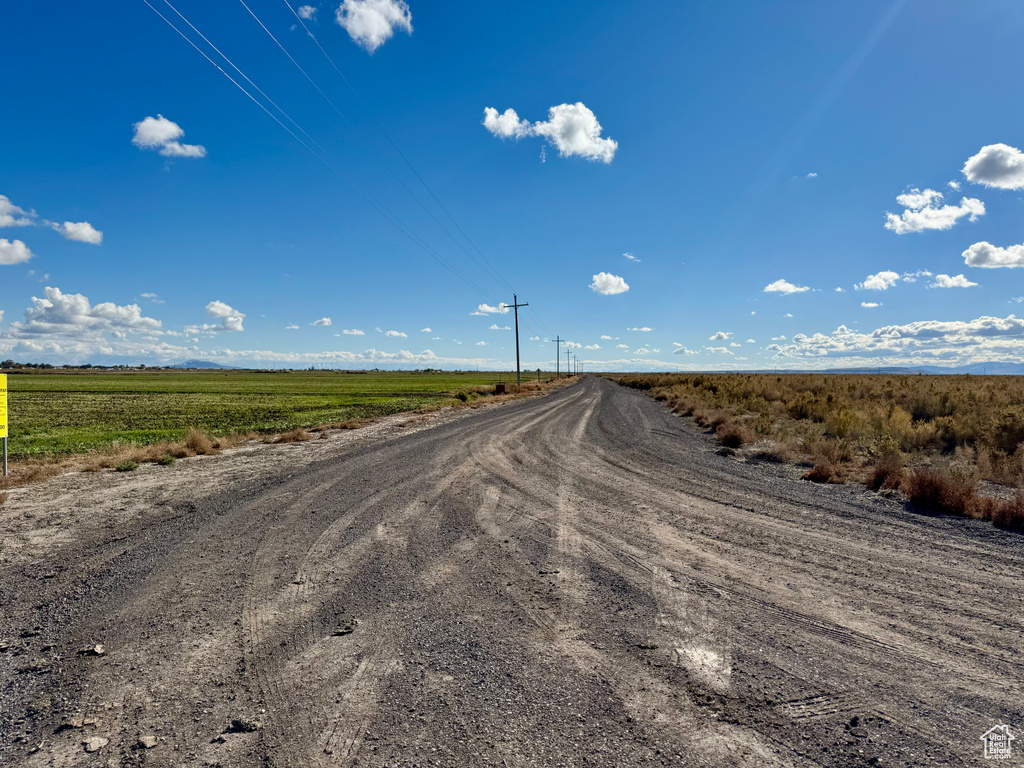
(297,435)
(166,460)
(198,443)
(126,466)
(933,437)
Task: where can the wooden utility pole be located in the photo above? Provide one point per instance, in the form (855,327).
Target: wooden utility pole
(567,353)
(558,354)
(516,305)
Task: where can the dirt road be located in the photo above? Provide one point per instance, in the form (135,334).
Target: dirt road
(574,580)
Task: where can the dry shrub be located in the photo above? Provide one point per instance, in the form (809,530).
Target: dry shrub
(712,419)
(887,473)
(198,443)
(230,441)
(942,492)
(824,471)
(772,452)
(1010,513)
(3,497)
(732,434)
(296,435)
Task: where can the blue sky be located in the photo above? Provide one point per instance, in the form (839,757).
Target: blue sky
(152,212)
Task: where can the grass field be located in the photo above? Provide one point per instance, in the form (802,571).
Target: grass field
(65,412)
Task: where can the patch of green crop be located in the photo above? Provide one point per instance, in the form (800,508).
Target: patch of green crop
(63,412)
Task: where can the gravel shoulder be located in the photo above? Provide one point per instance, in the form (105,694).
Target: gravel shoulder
(570,580)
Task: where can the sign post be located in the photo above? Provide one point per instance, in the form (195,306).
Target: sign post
(3,416)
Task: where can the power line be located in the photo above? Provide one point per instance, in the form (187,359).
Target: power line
(323,154)
(393,144)
(493,272)
(366,196)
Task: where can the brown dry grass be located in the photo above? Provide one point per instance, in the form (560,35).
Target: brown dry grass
(886,473)
(956,493)
(297,435)
(732,434)
(198,443)
(869,427)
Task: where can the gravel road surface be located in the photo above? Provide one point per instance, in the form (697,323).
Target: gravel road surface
(570,580)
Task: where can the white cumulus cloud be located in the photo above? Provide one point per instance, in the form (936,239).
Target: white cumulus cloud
(307,12)
(996,165)
(631,257)
(608,284)
(425,330)
(921,212)
(572,129)
(605,338)
(507,124)
(622,346)
(162,134)
(981,254)
(71,317)
(593,346)
(644,329)
(323,321)
(13,252)
(13,216)
(230,319)
(784,286)
(720,336)
(353,332)
(681,350)
(81,231)
(291,327)
(870,304)
(878,282)
(396,335)
(481,344)
(496,327)
(957,281)
(487,309)
(911,277)
(371,23)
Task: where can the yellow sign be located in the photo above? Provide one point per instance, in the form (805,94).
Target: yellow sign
(3,405)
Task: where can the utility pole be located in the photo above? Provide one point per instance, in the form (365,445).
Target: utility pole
(516,305)
(558,354)
(567,353)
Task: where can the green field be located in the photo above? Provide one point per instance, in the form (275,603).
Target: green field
(62,412)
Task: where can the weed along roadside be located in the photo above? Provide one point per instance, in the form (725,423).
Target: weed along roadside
(103,420)
(951,444)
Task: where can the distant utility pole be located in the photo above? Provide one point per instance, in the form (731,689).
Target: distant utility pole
(567,353)
(516,305)
(558,354)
